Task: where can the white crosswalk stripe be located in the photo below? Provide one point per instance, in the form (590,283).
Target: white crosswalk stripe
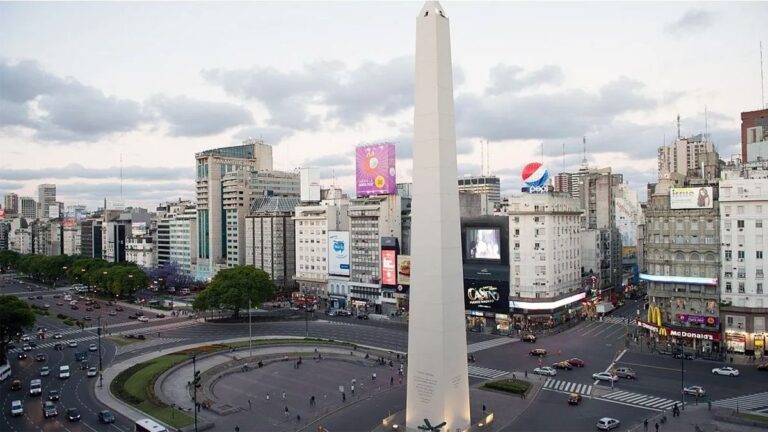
(616,320)
(479,346)
(91,339)
(567,387)
(749,402)
(481,372)
(640,400)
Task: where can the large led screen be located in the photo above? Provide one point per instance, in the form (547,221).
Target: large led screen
(388,267)
(483,243)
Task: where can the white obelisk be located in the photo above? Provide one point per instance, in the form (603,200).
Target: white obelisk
(438,387)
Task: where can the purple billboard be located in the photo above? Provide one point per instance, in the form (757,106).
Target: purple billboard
(375,169)
(699,319)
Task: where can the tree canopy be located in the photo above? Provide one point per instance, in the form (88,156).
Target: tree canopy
(232,288)
(15,317)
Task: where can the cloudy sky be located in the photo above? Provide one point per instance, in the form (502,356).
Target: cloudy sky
(83,85)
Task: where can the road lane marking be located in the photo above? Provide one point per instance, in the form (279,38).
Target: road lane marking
(654,367)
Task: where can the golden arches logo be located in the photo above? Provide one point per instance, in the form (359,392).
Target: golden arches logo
(654,315)
(662,331)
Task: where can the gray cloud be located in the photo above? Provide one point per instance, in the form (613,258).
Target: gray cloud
(511,78)
(270,134)
(568,113)
(6,185)
(65,109)
(327,174)
(191,117)
(328,160)
(79,171)
(692,21)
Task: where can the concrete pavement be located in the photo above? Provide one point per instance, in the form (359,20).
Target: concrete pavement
(695,419)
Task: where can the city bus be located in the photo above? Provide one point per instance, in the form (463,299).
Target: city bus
(147,425)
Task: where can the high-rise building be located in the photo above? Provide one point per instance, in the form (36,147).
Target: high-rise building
(545,257)
(71,240)
(754,133)
(139,245)
(488,186)
(90,238)
(314,225)
(46,197)
(11,204)
(627,213)
(744,302)
(212,166)
(165,215)
(693,157)
(563,182)
(270,239)
(5,230)
(28,208)
(182,232)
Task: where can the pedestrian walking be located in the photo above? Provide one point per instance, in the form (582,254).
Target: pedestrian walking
(283,395)
(354,381)
(298,418)
(391,381)
(286,411)
(237,428)
(343,397)
(249,404)
(483,408)
(657,426)
(373,376)
(267,396)
(645,425)
(526,373)
(312,401)
(353,389)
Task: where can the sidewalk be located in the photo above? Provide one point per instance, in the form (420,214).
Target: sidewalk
(695,418)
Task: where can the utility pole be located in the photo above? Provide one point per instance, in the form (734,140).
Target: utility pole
(306,319)
(250,333)
(195,385)
(682,374)
(98,332)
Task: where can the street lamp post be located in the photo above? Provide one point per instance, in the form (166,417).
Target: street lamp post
(195,380)
(682,375)
(250,333)
(98,332)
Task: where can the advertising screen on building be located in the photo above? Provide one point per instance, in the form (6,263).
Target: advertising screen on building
(691,198)
(486,295)
(388,267)
(483,243)
(375,168)
(338,253)
(403,270)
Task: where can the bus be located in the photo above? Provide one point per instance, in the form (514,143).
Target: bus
(147,425)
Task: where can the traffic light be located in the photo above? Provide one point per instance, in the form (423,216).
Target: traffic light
(196,380)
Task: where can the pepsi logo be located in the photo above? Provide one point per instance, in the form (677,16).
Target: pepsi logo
(535,175)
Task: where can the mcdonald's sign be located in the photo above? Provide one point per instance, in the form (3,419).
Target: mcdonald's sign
(654,315)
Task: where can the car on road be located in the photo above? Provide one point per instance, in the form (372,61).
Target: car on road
(546,371)
(54,395)
(17,408)
(119,309)
(575,362)
(538,352)
(26,347)
(74,307)
(40,357)
(58,346)
(45,371)
(87,318)
(73,414)
(131,317)
(362,316)
(574,399)
(625,372)
(49,409)
(81,355)
(529,338)
(35,387)
(15,385)
(33,344)
(92,372)
(89,309)
(93,347)
(58,303)
(160,315)
(686,355)
(330,312)
(725,370)
(96,305)
(31,297)
(84,365)
(604,376)
(106,417)
(143,319)
(57,336)
(695,390)
(607,423)
(343,313)
(47,306)
(72,344)
(39,297)
(64,372)
(562,365)
(26,338)
(22,355)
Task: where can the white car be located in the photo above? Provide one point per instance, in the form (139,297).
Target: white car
(92,372)
(695,390)
(143,318)
(72,344)
(92,347)
(57,336)
(546,370)
(607,423)
(45,371)
(25,338)
(26,348)
(17,408)
(604,376)
(64,372)
(725,370)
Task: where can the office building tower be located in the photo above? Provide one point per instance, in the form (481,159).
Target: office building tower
(270,239)
(46,197)
(182,235)
(11,206)
(212,166)
(488,186)
(754,135)
(90,238)
(692,157)
(28,208)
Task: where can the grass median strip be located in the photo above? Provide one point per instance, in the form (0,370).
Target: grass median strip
(509,386)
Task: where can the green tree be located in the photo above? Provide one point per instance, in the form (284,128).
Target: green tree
(232,288)
(15,317)
(9,259)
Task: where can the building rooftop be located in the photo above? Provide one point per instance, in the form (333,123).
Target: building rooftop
(265,205)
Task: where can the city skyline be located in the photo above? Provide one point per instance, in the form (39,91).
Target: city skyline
(192,91)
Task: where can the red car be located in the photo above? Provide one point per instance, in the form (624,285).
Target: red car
(576,362)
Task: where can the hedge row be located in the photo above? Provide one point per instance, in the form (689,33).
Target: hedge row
(509,386)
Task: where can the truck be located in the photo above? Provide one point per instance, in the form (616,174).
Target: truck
(604,307)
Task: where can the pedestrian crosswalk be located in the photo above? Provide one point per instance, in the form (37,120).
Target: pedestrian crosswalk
(567,387)
(617,320)
(641,400)
(753,402)
(490,343)
(481,372)
(89,339)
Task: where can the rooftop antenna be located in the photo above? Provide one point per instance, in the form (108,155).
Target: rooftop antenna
(584,151)
(706,125)
(678,126)
(482,158)
(487,157)
(542,152)
(121,177)
(563,157)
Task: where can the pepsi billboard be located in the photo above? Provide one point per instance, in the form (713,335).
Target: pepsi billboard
(536,177)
